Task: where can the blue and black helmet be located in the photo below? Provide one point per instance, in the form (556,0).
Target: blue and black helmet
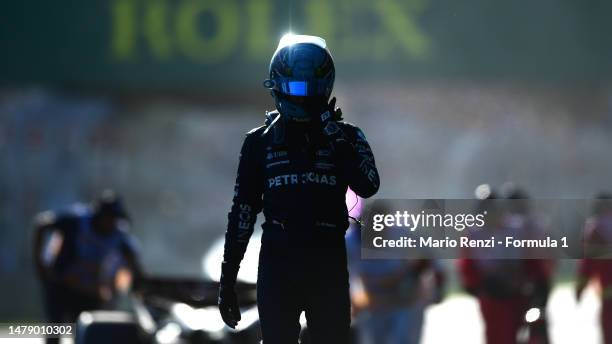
(301,75)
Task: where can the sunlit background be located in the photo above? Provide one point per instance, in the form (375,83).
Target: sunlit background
(152,98)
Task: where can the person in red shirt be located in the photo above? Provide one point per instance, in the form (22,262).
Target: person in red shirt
(594,267)
(505,288)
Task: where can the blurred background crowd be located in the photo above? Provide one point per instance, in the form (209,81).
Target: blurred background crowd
(152,98)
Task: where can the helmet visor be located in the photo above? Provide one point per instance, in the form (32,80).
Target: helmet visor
(315,88)
(297,88)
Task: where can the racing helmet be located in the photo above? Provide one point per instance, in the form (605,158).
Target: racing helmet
(301,76)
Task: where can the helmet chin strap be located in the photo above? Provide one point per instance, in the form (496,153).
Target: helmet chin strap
(281,106)
(301,119)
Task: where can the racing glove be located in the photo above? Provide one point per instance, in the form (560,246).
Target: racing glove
(228,301)
(329,126)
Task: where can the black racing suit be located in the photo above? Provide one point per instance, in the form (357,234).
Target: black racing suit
(299,178)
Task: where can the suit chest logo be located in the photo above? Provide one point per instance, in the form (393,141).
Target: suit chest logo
(301,178)
(271,155)
(276,157)
(322,158)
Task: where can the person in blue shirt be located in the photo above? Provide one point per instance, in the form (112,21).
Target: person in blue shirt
(389,296)
(78,254)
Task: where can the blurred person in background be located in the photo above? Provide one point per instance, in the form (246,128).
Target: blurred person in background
(84,256)
(297,168)
(596,266)
(389,296)
(505,288)
(518,218)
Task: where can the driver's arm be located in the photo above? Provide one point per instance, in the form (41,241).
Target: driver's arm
(247,202)
(359,165)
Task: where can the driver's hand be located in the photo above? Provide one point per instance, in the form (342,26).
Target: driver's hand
(228,305)
(327,123)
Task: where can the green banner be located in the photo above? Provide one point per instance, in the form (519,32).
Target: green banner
(177,44)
